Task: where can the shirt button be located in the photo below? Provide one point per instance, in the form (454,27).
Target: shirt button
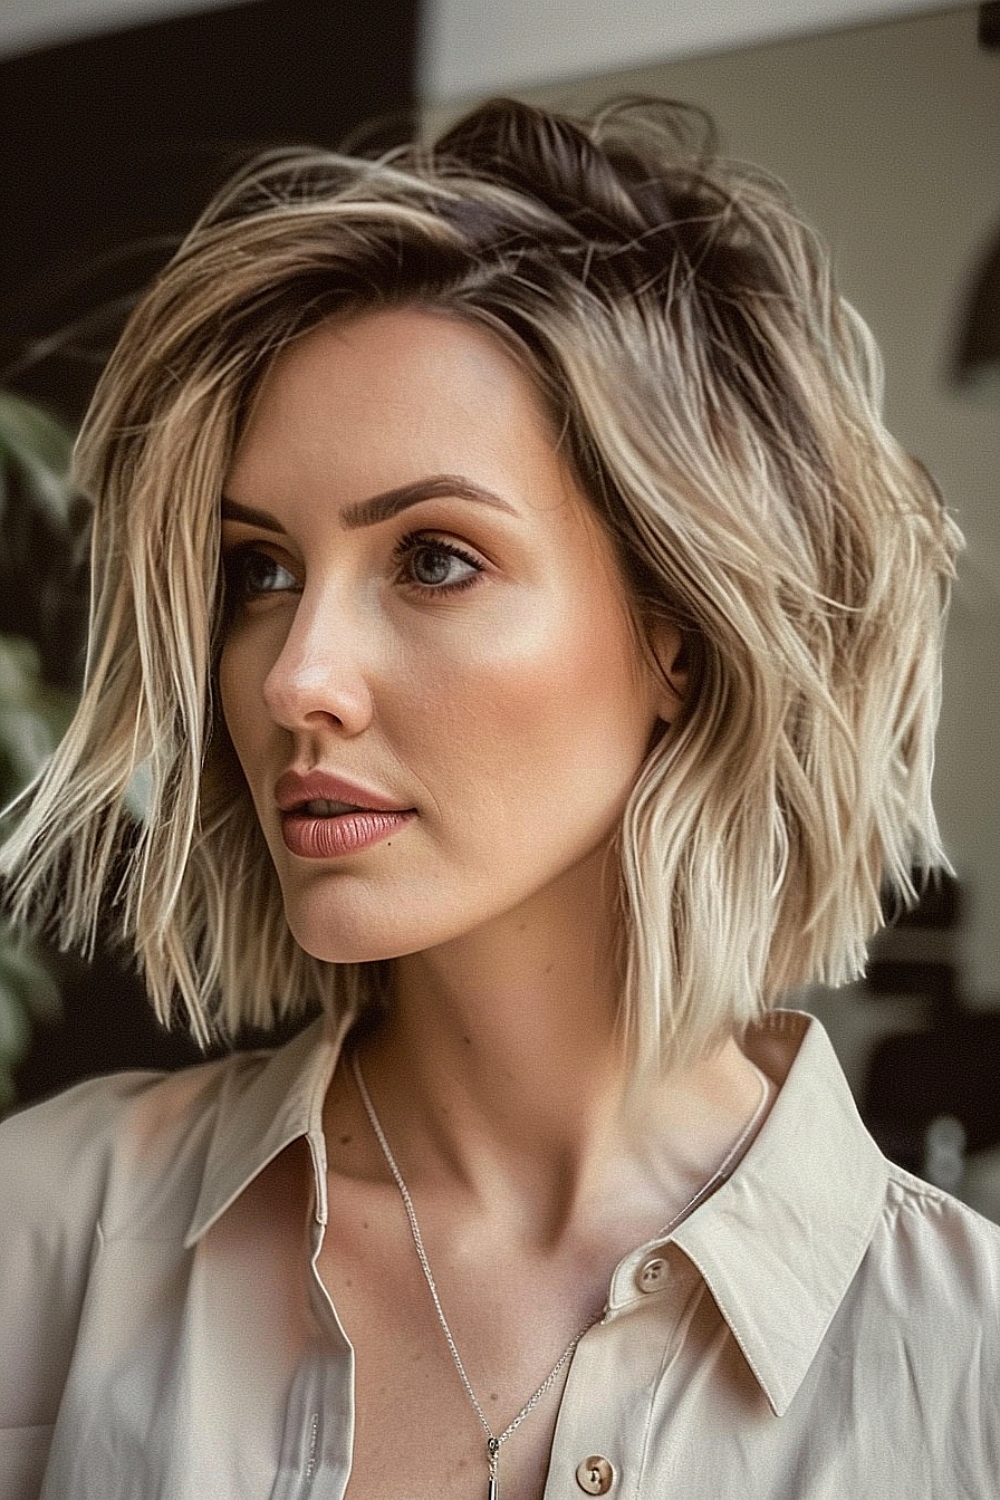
(652,1274)
(595,1476)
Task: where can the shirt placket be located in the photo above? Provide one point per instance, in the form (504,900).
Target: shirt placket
(606,1408)
(318,1438)
(605,1413)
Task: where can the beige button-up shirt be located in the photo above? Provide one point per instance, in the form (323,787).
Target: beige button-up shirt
(823,1327)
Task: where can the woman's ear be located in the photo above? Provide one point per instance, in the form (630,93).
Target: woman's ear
(670,648)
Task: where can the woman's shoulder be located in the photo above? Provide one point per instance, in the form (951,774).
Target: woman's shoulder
(933,1231)
(919,1331)
(928,1287)
(87,1154)
(122,1153)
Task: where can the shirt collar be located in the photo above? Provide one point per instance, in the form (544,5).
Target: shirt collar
(262,1108)
(779,1243)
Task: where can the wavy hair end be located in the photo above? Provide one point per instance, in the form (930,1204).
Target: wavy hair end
(721,405)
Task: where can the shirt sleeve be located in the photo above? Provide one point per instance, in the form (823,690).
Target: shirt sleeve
(55,1160)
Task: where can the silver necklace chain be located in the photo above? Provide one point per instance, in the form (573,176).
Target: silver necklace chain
(495,1440)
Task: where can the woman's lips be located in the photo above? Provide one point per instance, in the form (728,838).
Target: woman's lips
(313,837)
(295,788)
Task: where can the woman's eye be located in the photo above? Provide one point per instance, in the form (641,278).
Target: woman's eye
(251,573)
(435,566)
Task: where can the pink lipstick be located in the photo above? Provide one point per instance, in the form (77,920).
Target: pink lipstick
(324,816)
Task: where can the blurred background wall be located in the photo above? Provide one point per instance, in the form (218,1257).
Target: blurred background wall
(882,116)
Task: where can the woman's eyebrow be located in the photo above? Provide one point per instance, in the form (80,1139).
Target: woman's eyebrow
(232,510)
(381,507)
(436,487)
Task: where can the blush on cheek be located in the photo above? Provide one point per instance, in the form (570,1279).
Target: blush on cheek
(561,723)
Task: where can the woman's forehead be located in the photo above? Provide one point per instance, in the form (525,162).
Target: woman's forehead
(394,399)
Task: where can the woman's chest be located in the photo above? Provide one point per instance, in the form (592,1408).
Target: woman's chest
(236,1368)
(432,1384)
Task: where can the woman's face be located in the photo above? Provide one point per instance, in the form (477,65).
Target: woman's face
(426,616)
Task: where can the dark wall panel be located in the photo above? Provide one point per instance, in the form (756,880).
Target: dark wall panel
(112,144)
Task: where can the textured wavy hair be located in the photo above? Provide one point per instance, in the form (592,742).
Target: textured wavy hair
(720,405)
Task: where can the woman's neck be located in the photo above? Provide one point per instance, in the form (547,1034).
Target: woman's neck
(501,1068)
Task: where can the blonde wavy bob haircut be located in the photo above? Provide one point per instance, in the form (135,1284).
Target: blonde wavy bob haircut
(721,407)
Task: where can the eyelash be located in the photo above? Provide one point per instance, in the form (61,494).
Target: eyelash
(406,548)
(418,541)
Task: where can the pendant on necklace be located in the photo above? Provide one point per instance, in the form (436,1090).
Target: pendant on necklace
(493,1455)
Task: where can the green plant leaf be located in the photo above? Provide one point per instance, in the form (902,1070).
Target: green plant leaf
(25,979)
(32,714)
(28,992)
(38,448)
(15,1028)
(35,453)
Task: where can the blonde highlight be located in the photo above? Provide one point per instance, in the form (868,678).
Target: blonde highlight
(721,405)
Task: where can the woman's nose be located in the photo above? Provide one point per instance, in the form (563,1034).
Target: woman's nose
(319,677)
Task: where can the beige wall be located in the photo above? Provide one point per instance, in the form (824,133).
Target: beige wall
(889,137)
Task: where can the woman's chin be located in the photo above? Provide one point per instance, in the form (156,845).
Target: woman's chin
(353,948)
(335,939)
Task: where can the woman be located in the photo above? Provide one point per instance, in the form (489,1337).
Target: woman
(569,699)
